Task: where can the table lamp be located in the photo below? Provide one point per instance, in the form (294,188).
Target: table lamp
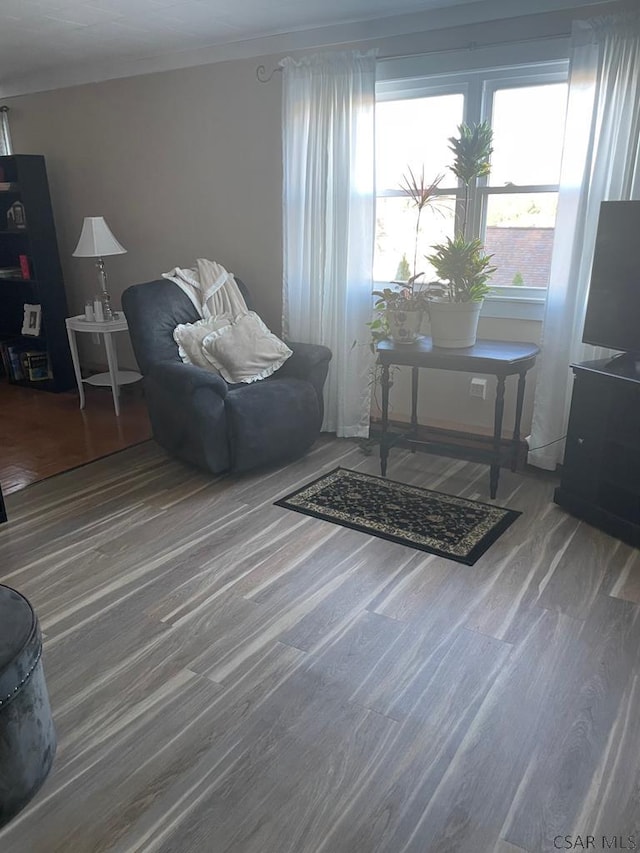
(97,241)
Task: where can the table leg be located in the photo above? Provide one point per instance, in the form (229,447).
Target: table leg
(497,436)
(384,447)
(516,429)
(414,401)
(113,370)
(75,358)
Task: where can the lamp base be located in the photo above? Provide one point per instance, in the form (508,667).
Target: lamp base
(106,305)
(106,298)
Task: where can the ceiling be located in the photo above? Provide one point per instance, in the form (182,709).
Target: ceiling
(86,38)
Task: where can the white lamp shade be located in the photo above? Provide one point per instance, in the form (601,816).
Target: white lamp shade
(96,240)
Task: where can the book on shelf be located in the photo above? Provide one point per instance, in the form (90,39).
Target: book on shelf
(25,266)
(10,272)
(15,364)
(4,360)
(21,362)
(8,186)
(35,365)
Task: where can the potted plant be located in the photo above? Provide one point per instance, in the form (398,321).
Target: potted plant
(401,309)
(462,266)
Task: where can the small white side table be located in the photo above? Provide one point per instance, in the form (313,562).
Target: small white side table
(115,378)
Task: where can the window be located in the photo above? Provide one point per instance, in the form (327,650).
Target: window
(405,139)
(513,210)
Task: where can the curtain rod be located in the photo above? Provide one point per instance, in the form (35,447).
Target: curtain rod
(261,73)
(264,77)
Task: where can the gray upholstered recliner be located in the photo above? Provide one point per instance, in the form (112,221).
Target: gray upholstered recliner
(196,416)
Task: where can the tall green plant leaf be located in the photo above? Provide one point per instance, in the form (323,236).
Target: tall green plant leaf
(472,150)
(464,268)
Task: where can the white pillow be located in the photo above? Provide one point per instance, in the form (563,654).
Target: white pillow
(189,337)
(245,350)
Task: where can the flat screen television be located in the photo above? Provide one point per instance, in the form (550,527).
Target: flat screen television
(613,308)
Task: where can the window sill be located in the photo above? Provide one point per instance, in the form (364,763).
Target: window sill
(527,305)
(514,308)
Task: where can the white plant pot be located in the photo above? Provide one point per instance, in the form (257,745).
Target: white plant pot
(404,325)
(454,324)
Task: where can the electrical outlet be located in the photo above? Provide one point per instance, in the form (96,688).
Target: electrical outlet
(478,388)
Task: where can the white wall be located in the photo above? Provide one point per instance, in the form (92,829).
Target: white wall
(182,164)
(187,163)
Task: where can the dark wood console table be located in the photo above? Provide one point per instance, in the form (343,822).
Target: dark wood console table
(496,358)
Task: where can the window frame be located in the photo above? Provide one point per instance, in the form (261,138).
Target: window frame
(478,87)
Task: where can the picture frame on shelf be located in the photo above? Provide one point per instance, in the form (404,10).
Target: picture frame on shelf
(32,320)
(16,218)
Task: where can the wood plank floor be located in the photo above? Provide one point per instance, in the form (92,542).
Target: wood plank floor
(231,677)
(42,434)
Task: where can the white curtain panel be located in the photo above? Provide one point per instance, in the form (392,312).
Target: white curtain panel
(601,162)
(5,132)
(329,218)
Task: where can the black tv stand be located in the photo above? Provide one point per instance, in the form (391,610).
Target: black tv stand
(627,364)
(601,471)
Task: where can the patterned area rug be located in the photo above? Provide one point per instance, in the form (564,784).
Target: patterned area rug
(451,527)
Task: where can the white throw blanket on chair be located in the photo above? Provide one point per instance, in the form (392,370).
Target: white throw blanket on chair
(229,338)
(212,290)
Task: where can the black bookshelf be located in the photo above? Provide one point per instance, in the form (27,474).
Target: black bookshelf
(24,186)
(601,471)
